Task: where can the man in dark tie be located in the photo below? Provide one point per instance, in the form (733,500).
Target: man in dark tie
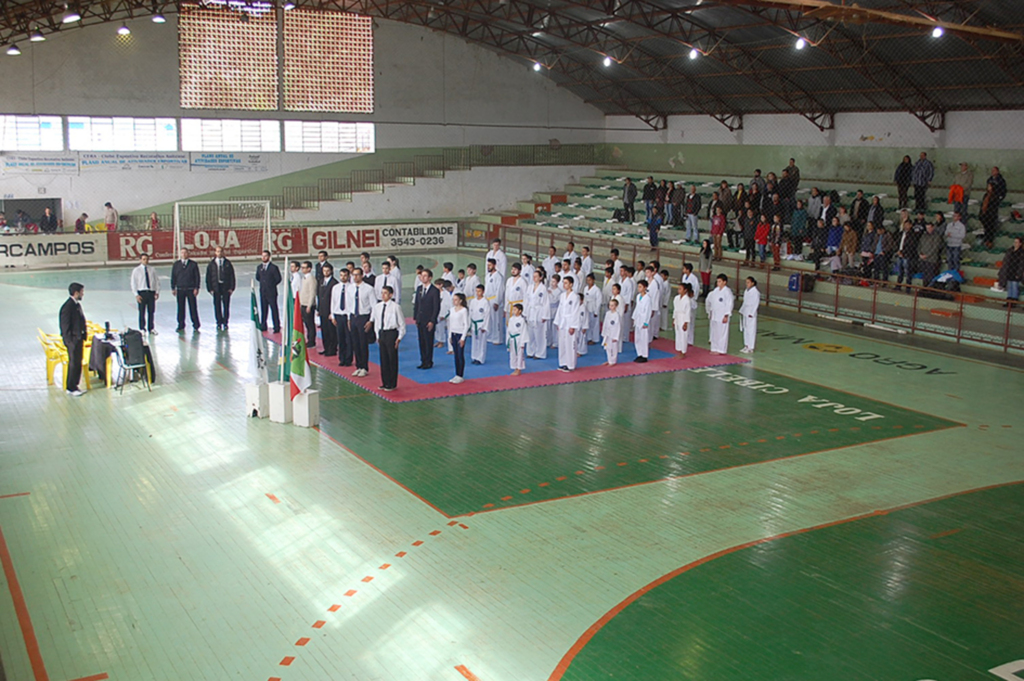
(269,276)
(321,260)
(72,331)
(146,285)
(328,332)
(185,284)
(220,282)
(360,301)
(428,306)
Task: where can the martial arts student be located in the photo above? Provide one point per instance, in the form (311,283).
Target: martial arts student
(592,303)
(396,276)
(617,267)
(606,290)
(515,339)
(447,292)
(719,304)
(479,314)
(472,281)
(538,315)
(460,282)
(494,292)
(581,334)
(748,315)
(458,327)
(526,260)
(682,317)
(627,294)
(447,272)
(654,291)
(666,298)
(642,317)
(694,281)
(515,289)
(567,322)
(578,275)
(555,298)
(550,262)
(610,331)
(499,257)
(588,262)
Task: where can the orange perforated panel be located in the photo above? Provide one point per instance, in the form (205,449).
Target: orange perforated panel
(227,63)
(328,62)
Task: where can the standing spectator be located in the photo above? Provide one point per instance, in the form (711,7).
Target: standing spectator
(220,283)
(989,215)
(324,295)
(903,177)
(814,203)
(48,222)
(628,203)
(718,230)
(154,222)
(819,242)
(648,197)
(956,231)
(775,239)
(704,265)
(692,211)
(428,306)
(185,287)
(1012,271)
(924,173)
(110,216)
(794,173)
(725,196)
(881,263)
(835,236)
(906,255)
(940,224)
(859,212)
(876,213)
(146,285)
(998,184)
(661,196)
(757,181)
(929,253)
(828,211)
(670,212)
(749,237)
(713,205)
(787,193)
(678,198)
(269,277)
(964,179)
(798,228)
(72,332)
(80,223)
(739,200)
(734,232)
(763,231)
(848,248)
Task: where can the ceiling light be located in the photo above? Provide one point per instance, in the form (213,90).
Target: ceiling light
(288,6)
(13,50)
(801,43)
(937,32)
(158,19)
(694,53)
(124,30)
(37,37)
(607,61)
(536,66)
(70,16)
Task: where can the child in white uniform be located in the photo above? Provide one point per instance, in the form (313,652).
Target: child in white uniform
(554,297)
(682,320)
(610,331)
(748,315)
(642,316)
(515,339)
(478,314)
(441,338)
(581,334)
(538,317)
(592,303)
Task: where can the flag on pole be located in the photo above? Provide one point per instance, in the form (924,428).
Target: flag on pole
(300,378)
(284,358)
(257,344)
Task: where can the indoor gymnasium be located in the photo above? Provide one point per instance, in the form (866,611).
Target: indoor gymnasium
(508,340)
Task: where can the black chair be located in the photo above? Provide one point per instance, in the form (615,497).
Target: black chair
(132,358)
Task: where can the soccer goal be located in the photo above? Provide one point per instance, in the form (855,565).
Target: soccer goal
(242,228)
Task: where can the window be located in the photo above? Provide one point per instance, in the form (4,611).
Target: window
(31,133)
(329,137)
(87,133)
(328,62)
(216,134)
(227,63)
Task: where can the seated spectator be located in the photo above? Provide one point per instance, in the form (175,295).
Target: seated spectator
(835,236)
(80,223)
(1012,272)
(844,216)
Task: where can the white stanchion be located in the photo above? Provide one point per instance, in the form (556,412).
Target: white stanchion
(306,409)
(280,402)
(257,400)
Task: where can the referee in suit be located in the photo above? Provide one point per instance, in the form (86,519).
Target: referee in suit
(185,283)
(146,285)
(389,321)
(324,293)
(220,282)
(428,306)
(72,331)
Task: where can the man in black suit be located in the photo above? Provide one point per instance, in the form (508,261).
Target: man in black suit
(220,282)
(269,277)
(72,331)
(328,332)
(185,283)
(321,260)
(428,306)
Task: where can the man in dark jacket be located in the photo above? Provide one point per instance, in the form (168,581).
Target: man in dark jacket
(929,252)
(692,211)
(859,213)
(72,332)
(1012,272)
(48,222)
(220,282)
(269,276)
(903,177)
(883,248)
(185,283)
(906,255)
(629,199)
(324,291)
(650,189)
(428,306)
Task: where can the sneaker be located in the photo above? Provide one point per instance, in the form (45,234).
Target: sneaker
(564,369)
(452,379)
(357,372)
(154,332)
(458,379)
(364,372)
(76,393)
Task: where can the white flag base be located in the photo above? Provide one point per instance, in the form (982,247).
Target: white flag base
(257,400)
(280,401)
(306,409)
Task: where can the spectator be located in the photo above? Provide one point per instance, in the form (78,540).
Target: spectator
(739,200)
(906,255)
(749,222)
(725,196)
(80,223)
(654,222)
(704,265)
(648,196)
(814,204)
(692,211)
(924,173)
(669,208)
(940,224)
(835,235)
(965,180)
(819,241)
(903,177)
(734,232)
(775,239)
(628,203)
(757,181)
(1012,271)
(998,184)
(21,222)
(843,215)
(661,196)
(859,212)
(154,222)
(110,216)
(920,221)
(955,233)
(48,222)
(775,207)
(761,235)
(930,254)
(876,213)
(828,211)
(794,173)
(884,245)
(848,248)
(677,199)
(754,198)
(718,229)
(989,215)
(798,228)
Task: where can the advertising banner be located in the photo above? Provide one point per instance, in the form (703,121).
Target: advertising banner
(116,160)
(52,249)
(39,163)
(228,162)
(128,246)
(388,238)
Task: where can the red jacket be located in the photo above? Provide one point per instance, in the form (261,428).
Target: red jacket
(761,235)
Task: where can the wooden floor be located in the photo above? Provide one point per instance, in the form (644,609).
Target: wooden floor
(840,507)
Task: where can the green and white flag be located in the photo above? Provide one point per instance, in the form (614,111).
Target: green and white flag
(257,343)
(300,378)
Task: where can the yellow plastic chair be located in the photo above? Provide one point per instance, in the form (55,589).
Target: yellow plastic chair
(55,354)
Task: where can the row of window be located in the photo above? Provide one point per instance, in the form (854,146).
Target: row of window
(91,133)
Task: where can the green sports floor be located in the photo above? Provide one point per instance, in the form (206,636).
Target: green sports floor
(842,507)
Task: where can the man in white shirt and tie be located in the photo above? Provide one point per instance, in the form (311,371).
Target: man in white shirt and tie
(146,285)
(360,299)
(340,317)
(388,320)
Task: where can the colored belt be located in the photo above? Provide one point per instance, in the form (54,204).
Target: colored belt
(476,325)
(512,341)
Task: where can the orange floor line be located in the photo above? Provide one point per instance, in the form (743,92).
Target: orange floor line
(94,677)
(35,658)
(470,676)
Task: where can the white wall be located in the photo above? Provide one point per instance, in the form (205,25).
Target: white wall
(964,130)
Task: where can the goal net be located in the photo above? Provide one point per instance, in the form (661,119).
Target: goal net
(242,228)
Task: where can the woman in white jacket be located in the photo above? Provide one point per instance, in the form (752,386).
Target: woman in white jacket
(682,317)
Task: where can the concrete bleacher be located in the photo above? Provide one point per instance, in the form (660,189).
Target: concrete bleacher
(587,206)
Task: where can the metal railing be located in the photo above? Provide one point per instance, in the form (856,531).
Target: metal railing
(909,309)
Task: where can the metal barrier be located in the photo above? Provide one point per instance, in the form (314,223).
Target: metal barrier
(906,309)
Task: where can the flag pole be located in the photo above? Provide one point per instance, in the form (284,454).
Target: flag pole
(287,332)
